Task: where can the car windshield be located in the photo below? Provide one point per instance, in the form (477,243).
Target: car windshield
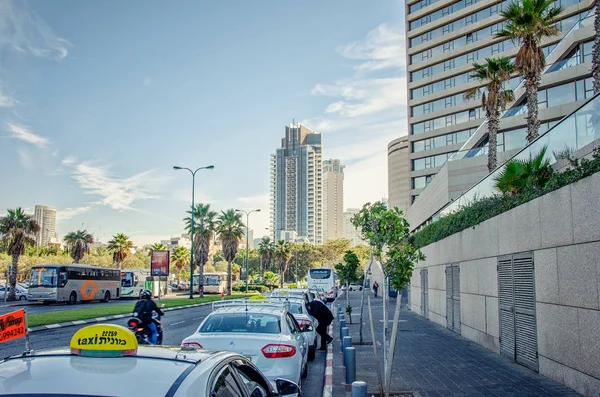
(43,277)
(242,323)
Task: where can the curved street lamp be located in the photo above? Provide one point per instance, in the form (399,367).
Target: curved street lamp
(177,168)
(247,242)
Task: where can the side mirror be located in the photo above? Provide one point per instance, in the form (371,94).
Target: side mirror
(308,328)
(287,388)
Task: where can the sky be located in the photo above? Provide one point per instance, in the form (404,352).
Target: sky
(100,99)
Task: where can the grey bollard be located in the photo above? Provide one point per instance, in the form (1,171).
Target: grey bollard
(350,360)
(346,342)
(359,389)
(343,332)
(342,326)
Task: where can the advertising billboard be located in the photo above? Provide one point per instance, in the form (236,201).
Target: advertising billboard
(159,263)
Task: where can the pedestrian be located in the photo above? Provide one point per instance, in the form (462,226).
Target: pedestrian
(375,288)
(324,317)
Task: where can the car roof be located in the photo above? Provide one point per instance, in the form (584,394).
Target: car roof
(266,309)
(57,371)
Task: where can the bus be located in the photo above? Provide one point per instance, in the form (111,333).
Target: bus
(323,278)
(134,281)
(214,283)
(73,283)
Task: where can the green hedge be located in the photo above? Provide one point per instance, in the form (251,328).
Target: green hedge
(251,287)
(486,208)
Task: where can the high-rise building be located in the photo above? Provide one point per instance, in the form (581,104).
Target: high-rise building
(444,38)
(296,185)
(333,199)
(350,232)
(248,239)
(46,218)
(398,173)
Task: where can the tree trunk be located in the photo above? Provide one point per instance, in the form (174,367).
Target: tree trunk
(377,367)
(12,296)
(385,326)
(393,342)
(493,142)
(533,122)
(281,278)
(596,51)
(201,280)
(229,276)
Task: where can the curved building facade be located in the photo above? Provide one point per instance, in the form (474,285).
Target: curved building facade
(398,174)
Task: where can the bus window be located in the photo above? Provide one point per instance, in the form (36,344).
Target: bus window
(43,277)
(320,274)
(127,279)
(62,279)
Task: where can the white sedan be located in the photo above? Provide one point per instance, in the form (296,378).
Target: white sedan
(21,292)
(267,335)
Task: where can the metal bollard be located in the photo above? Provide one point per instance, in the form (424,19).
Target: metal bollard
(359,389)
(346,342)
(342,326)
(350,361)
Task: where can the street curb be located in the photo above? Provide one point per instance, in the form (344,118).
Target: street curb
(328,384)
(99,319)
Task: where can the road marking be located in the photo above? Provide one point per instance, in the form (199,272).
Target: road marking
(78,322)
(328,384)
(178,322)
(53,326)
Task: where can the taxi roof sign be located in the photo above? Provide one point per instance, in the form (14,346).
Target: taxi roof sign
(104,340)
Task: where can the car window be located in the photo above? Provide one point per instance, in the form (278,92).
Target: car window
(253,381)
(225,386)
(292,323)
(243,323)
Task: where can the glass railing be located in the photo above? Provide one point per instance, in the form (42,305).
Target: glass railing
(588,20)
(572,133)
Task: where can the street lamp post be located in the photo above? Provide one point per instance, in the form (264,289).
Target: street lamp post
(247,242)
(177,168)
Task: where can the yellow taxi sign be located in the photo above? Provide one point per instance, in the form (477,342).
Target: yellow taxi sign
(257,298)
(104,339)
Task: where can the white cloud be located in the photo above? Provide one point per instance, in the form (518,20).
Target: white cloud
(114,192)
(68,213)
(23,30)
(21,132)
(6,101)
(25,159)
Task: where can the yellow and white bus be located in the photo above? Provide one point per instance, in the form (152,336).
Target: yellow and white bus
(134,281)
(214,283)
(73,283)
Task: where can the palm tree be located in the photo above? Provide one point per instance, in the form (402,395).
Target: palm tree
(78,244)
(180,258)
(121,247)
(204,229)
(265,248)
(494,72)
(230,230)
(283,253)
(17,231)
(528,22)
(520,174)
(596,51)
(157,247)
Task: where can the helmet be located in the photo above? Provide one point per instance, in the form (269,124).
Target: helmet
(146,294)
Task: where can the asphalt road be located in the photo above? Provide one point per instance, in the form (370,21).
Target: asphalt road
(38,307)
(177,324)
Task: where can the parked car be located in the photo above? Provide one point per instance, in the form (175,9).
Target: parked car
(21,292)
(267,335)
(355,287)
(304,293)
(319,294)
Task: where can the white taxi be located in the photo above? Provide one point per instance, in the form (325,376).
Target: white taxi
(105,360)
(267,334)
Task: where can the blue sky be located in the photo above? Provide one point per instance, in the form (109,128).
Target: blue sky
(99,99)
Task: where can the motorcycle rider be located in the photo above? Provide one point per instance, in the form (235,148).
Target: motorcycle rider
(143,310)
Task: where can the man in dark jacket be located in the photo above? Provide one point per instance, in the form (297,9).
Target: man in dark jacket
(143,310)
(323,315)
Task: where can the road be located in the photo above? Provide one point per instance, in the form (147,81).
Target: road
(177,325)
(38,307)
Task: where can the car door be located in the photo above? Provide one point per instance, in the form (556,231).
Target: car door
(298,335)
(252,380)
(226,385)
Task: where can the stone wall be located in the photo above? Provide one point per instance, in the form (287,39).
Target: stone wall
(562,229)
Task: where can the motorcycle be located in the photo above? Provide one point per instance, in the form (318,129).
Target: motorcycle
(142,333)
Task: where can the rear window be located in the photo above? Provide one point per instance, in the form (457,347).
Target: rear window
(242,323)
(320,274)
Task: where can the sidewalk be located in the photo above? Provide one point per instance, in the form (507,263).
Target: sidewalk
(433,361)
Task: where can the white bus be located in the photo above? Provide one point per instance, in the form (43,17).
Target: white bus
(214,283)
(323,278)
(134,281)
(73,283)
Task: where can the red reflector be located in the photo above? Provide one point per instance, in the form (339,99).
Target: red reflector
(278,351)
(192,345)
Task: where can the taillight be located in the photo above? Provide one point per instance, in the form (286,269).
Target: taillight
(278,351)
(140,329)
(132,323)
(192,345)
(303,322)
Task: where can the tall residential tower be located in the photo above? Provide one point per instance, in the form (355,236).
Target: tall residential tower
(333,199)
(296,185)
(46,218)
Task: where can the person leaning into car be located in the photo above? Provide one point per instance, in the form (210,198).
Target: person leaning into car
(323,315)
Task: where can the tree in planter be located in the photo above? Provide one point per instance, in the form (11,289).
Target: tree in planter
(494,72)
(347,274)
(387,232)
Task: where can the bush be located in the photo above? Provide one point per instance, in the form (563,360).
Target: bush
(486,208)
(292,285)
(251,288)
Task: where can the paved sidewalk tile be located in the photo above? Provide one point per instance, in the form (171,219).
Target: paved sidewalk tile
(433,361)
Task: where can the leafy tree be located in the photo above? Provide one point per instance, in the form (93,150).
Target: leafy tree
(271,279)
(121,247)
(205,222)
(78,244)
(388,234)
(230,229)
(520,174)
(17,230)
(180,258)
(139,260)
(283,254)
(529,22)
(347,273)
(332,251)
(494,72)
(221,266)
